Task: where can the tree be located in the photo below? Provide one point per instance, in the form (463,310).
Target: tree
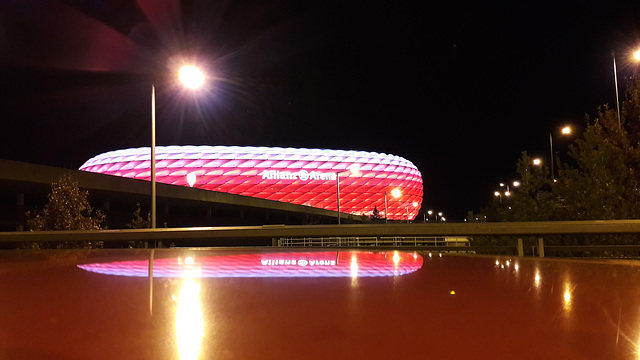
(68,209)
(138,222)
(601,183)
(374,217)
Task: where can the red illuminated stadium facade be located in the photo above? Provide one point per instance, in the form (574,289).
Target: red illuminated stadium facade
(308,177)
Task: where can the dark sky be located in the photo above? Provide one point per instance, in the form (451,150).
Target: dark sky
(459,88)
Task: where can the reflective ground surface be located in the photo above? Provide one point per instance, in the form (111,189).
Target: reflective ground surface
(258,304)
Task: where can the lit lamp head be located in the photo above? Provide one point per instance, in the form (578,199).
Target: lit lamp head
(537,162)
(191,77)
(396,193)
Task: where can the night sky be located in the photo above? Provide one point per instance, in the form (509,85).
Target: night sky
(458,88)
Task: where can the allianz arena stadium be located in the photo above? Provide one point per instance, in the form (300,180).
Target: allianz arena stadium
(311,177)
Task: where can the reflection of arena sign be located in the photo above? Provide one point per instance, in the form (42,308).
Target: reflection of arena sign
(289,264)
(303,175)
(294,262)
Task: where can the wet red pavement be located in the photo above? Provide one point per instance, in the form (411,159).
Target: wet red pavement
(230,304)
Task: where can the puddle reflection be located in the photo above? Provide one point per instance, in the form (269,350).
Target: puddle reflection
(189,320)
(285,264)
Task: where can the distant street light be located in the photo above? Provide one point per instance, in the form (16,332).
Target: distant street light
(507,191)
(396,193)
(415,204)
(537,162)
(192,78)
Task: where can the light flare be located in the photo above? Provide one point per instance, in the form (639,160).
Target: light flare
(189,320)
(191,77)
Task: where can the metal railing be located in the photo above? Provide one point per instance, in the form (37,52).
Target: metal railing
(392,241)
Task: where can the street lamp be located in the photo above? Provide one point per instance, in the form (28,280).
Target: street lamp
(565,131)
(615,81)
(415,204)
(354,169)
(636,57)
(192,78)
(396,193)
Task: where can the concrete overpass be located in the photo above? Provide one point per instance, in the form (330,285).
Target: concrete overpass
(25,186)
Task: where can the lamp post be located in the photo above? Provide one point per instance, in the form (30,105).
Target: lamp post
(615,81)
(354,169)
(191,77)
(565,131)
(507,191)
(415,204)
(396,193)
(636,56)
(153,156)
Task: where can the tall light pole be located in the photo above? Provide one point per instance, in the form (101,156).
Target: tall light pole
(414,204)
(354,169)
(153,156)
(565,131)
(615,81)
(191,77)
(396,193)
(636,57)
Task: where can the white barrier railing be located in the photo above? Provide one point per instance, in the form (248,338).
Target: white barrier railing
(372,241)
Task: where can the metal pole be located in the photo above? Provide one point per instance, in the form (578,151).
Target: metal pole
(153,156)
(551,148)
(385,207)
(615,79)
(338,193)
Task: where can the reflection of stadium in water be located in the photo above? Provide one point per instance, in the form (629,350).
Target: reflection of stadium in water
(284,264)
